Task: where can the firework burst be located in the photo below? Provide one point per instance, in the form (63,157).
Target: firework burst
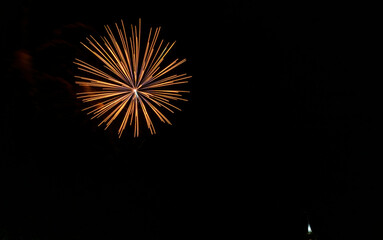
(132,83)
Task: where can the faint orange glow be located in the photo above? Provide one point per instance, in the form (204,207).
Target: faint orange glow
(129,84)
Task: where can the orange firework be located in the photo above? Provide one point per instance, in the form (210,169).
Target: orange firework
(129,85)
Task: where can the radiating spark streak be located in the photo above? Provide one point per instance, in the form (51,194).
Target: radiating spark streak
(133,83)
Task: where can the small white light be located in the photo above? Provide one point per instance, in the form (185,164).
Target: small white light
(309,228)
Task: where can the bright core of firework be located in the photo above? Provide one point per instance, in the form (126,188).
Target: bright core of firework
(132,83)
(135,91)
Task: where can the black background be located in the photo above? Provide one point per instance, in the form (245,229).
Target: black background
(283,123)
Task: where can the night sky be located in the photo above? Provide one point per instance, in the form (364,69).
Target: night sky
(283,123)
